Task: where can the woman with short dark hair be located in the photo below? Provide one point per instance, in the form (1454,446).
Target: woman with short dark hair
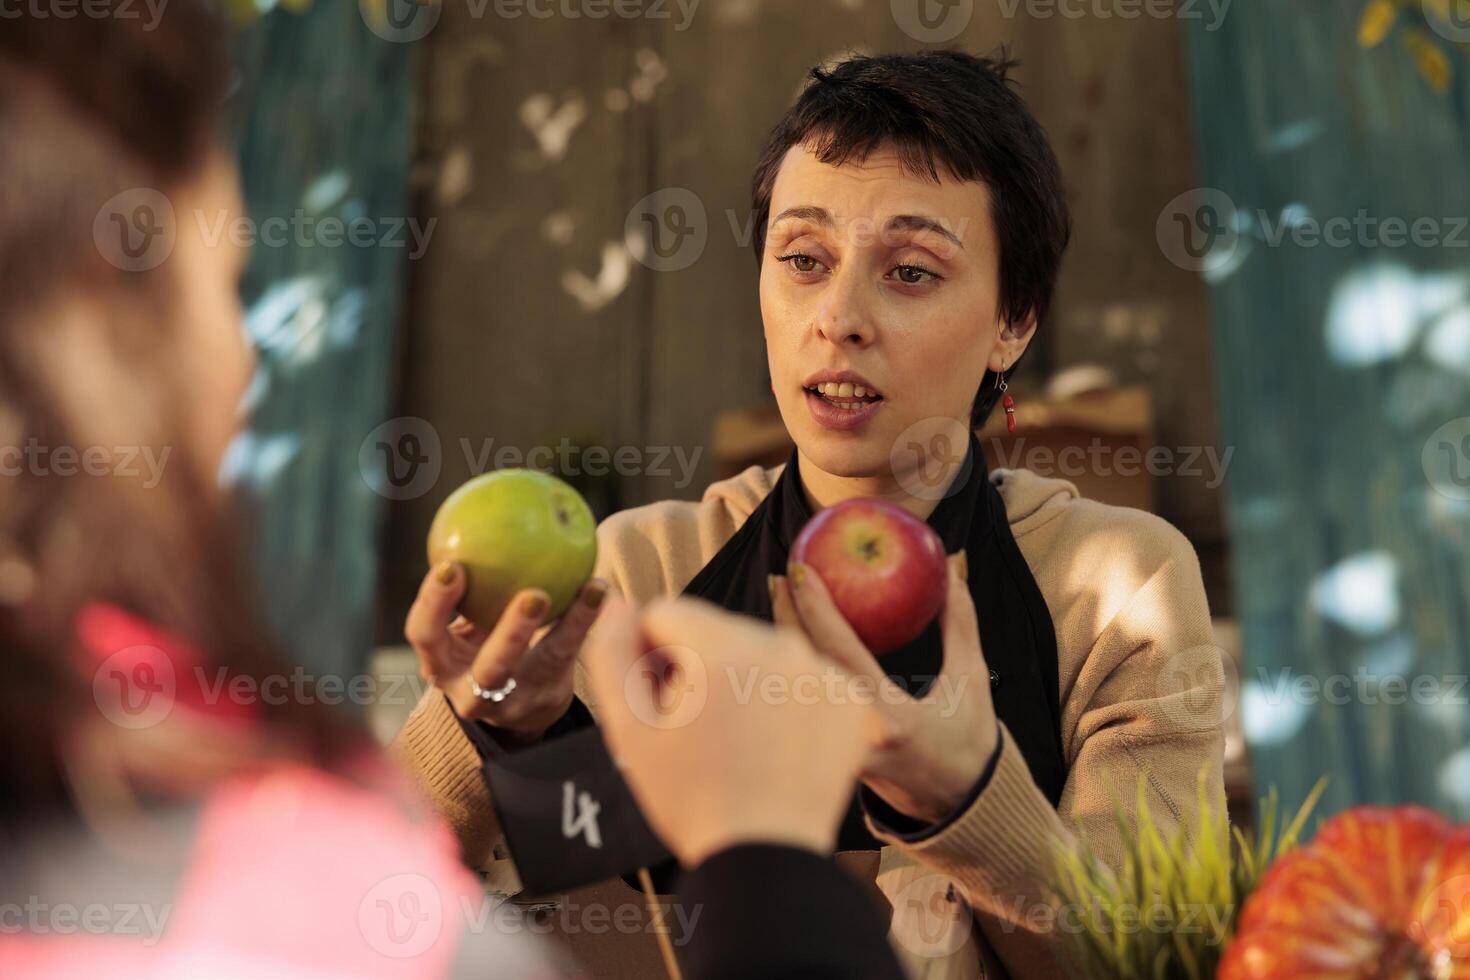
(911,222)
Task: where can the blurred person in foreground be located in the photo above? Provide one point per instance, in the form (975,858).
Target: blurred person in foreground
(910,220)
(156,822)
(152,822)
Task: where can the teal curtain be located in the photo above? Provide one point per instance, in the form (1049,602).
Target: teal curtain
(1343,364)
(322,121)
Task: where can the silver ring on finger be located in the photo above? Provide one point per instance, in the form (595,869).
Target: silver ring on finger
(495,694)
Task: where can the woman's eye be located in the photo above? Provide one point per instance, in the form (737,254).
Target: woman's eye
(800,261)
(914,275)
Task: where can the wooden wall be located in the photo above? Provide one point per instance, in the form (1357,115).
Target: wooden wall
(529,321)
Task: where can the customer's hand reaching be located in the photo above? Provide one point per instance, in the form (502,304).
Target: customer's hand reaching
(729,731)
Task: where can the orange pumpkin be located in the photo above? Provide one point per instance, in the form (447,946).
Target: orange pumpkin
(1381,893)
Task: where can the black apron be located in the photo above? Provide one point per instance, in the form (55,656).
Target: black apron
(1016,630)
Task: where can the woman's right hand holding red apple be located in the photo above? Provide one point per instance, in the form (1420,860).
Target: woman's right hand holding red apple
(452,651)
(931,750)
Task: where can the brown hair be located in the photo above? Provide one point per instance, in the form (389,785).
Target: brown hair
(89,108)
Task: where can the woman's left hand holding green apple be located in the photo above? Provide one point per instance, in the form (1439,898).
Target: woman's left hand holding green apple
(460,658)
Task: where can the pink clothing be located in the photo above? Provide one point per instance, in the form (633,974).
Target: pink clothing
(287,872)
(293,873)
(141,672)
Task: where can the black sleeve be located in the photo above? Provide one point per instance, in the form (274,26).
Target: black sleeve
(490,742)
(782,913)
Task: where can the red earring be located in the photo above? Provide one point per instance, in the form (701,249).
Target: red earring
(1006,401)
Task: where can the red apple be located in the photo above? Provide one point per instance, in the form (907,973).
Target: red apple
(884,567)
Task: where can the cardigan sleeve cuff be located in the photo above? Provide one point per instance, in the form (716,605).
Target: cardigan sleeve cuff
(447,767)
(898,826)
(1007,836)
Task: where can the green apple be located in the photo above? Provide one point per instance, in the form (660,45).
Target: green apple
(512,530)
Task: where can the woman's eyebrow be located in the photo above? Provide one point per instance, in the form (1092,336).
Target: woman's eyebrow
(918,222)
(805,212)
(899,222)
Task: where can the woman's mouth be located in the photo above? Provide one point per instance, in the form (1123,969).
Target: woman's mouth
(841,404)
(845,395)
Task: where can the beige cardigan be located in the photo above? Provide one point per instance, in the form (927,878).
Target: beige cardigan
(1141,691)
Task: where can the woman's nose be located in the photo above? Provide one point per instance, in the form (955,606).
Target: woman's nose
(844,317)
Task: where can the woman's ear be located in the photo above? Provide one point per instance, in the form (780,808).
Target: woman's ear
(1012,343)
